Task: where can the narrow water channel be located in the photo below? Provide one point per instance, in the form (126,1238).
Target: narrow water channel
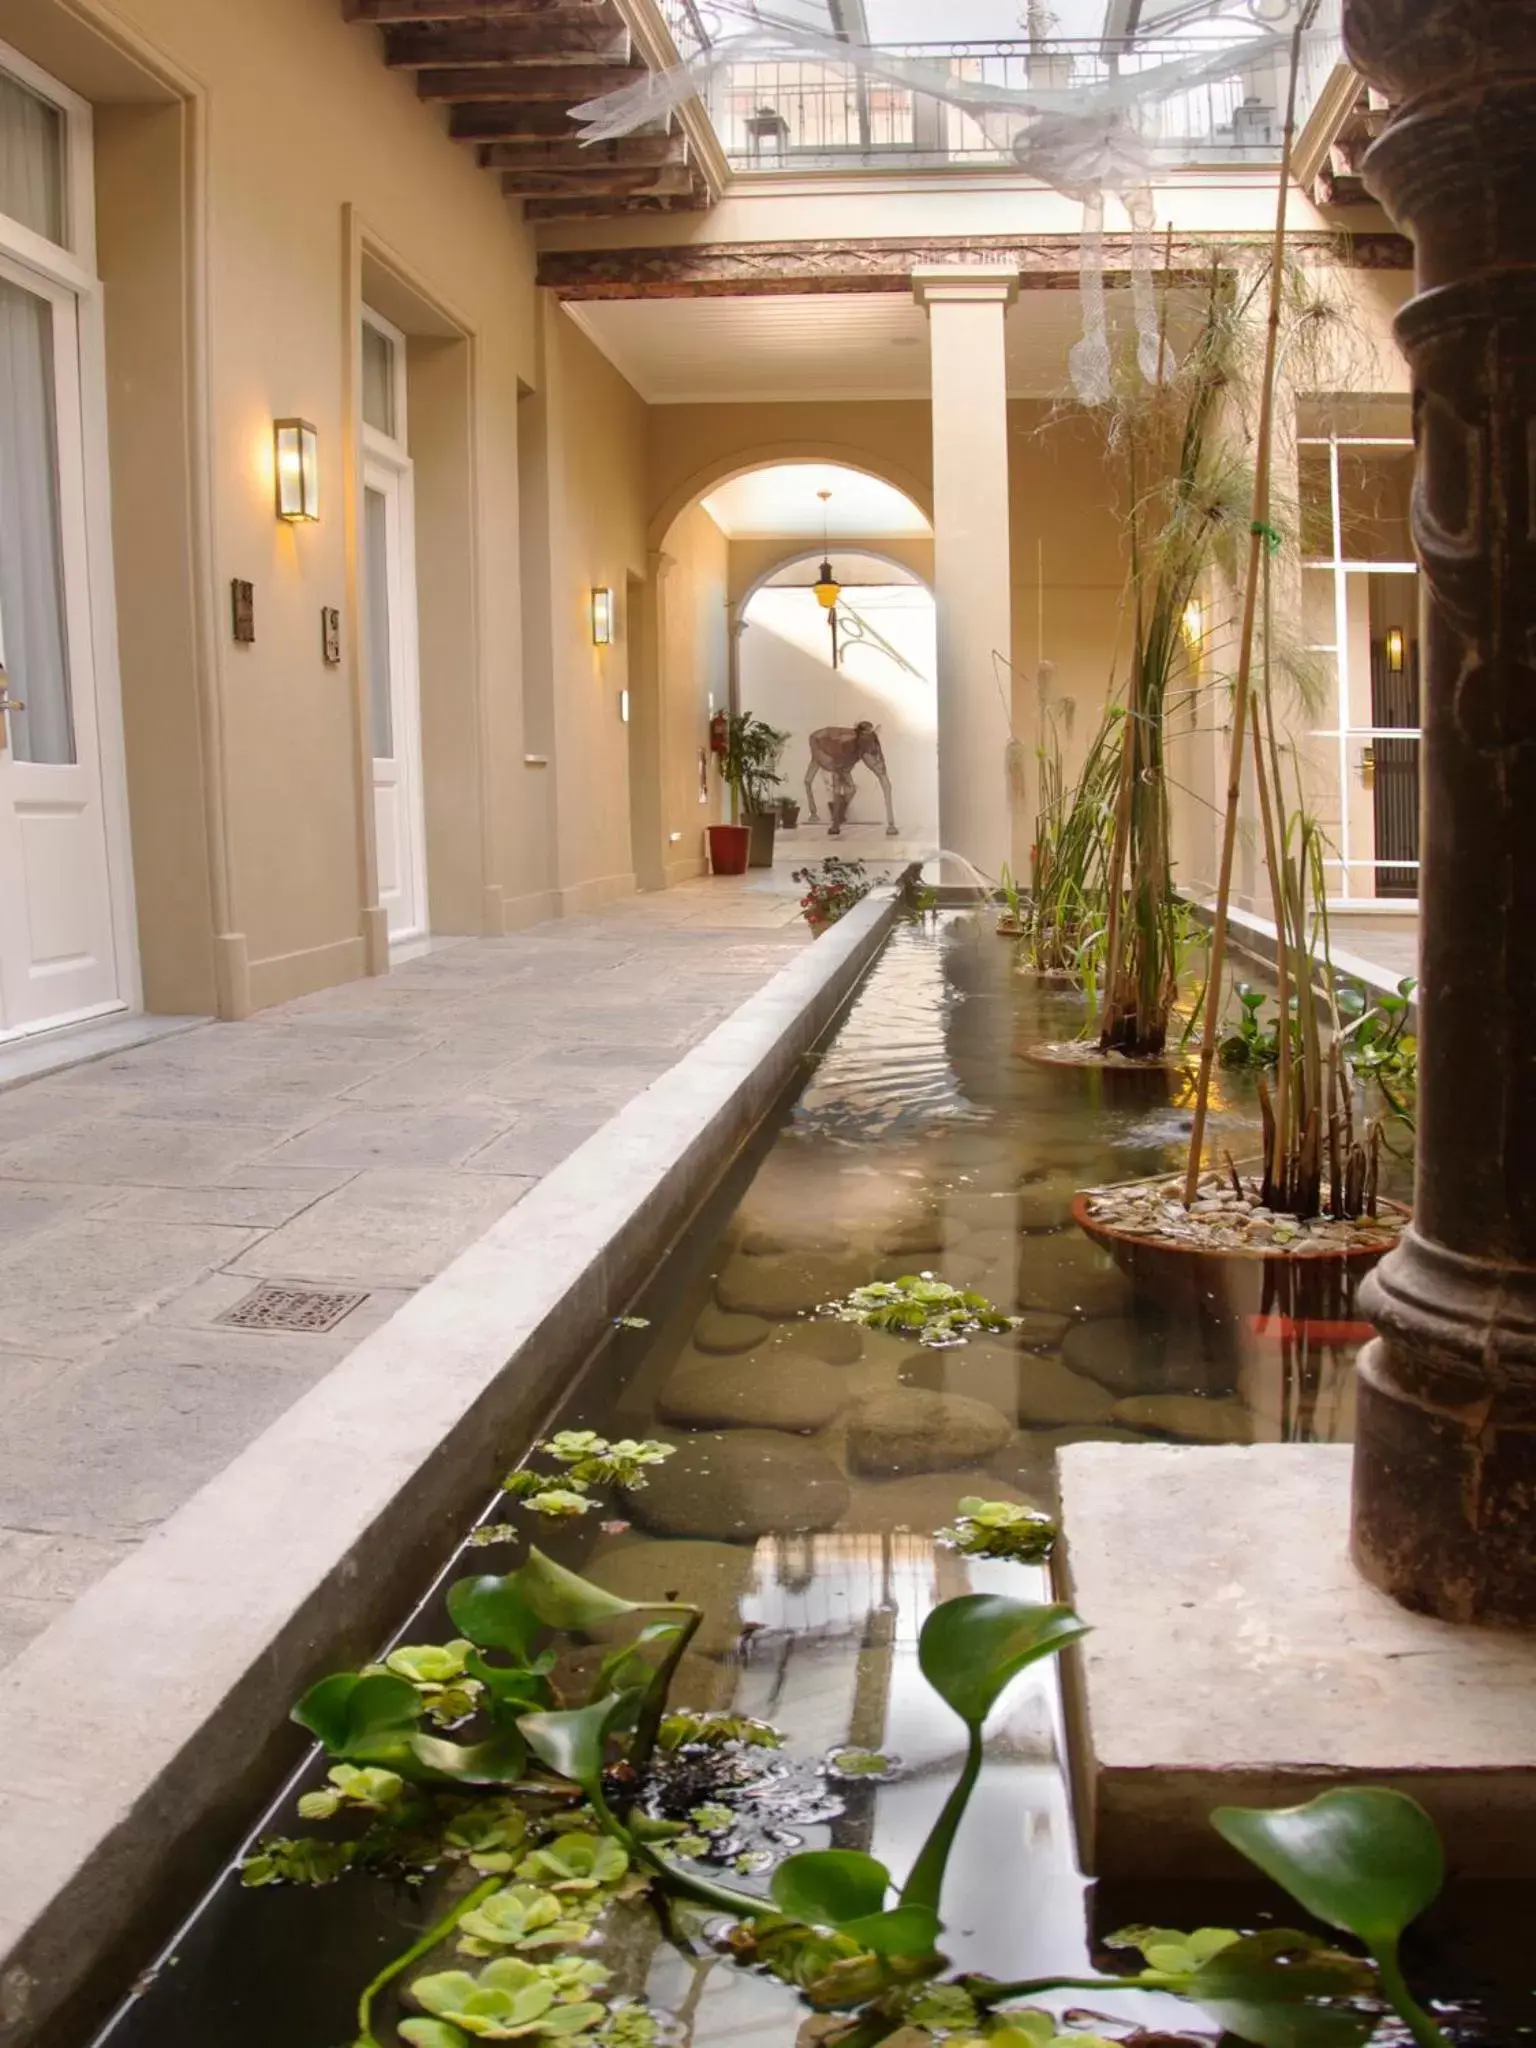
(815,1462)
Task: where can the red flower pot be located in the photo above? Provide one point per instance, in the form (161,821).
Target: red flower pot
(729,846)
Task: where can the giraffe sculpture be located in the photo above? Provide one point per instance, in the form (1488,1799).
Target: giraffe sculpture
(836,750)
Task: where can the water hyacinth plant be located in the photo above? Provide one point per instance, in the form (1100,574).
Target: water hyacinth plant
(921,1306)
(542,1824)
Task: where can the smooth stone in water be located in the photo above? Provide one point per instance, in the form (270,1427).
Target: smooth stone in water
(1118,1352)
(1187,1416)
(1024,1465)
(823,1337)
(1045,1204)
(920,1234)
(1038,1329)
(773,1240)
(1066,1272)
(958,1269)
(906,1431)
(734,1486)
(789,1286)
(720,1332)
(791,1393)
(1050,1396)
(977,1209)
(713,1576)
(978,1370)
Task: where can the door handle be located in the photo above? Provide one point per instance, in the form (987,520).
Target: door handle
(7,703)
(1368,767)
(10,703)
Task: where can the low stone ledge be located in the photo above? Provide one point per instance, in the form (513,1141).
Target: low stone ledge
(140,1731)
(1237,1657)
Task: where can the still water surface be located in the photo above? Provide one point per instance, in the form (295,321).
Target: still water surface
(813,1467)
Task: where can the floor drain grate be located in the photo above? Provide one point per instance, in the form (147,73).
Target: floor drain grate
(270,1307)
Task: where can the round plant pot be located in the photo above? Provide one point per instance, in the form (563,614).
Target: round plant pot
(729,847)
(1316,1288)
(761,825)
(819,924)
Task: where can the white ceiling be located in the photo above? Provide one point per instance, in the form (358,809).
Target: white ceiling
(837,346)
(780,502)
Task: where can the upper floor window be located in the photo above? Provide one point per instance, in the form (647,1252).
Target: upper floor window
(32,159)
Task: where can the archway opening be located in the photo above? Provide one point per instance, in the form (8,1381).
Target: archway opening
(853,688)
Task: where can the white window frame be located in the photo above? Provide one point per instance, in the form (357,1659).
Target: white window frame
(1341,732)
(396,446)
(73,265)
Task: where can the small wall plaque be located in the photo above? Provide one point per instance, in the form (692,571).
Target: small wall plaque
(330,635)
(243,601)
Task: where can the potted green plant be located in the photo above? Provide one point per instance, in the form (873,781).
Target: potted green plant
(748,772)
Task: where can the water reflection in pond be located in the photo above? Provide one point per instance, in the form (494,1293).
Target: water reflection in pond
(815,1461)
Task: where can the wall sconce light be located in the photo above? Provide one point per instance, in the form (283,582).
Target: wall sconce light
(602,616)
(296,447)
(624,706)
(1395,649)
(1194,622)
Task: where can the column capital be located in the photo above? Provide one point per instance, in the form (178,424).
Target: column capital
(971,284)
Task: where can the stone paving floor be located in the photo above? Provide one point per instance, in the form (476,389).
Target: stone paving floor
(360,1139)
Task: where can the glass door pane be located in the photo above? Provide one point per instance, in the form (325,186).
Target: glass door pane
(32,614)
(376,652)
(31,159)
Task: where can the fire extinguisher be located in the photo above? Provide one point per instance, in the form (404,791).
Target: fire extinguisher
(719,732)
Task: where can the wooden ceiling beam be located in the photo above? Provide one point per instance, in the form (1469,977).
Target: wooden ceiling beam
(425,45)
(511,121)
(629,153)
(565,84)
(665,181)
(697,201)
(385,12)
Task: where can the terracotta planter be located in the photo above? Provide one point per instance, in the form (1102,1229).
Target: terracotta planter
(729,847)
(1311,1287)
(819,924)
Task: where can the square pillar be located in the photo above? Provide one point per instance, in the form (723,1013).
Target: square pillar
(972,574)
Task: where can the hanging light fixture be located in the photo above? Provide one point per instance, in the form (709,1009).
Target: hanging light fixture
(828,589)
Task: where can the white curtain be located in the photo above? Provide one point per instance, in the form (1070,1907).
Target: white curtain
(31,160)
(33,643)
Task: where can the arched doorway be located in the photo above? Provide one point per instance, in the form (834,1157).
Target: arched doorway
(869,661)
(749,538)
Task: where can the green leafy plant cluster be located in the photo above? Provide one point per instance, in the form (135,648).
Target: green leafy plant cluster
(999,1528)
(588,1461)
(544,1810)
(831,889)
(749,764)
(920,1306)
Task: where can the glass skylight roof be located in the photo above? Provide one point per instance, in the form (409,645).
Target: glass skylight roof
(784,99)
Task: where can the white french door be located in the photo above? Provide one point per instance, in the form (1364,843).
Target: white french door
(63,951)
(394,703)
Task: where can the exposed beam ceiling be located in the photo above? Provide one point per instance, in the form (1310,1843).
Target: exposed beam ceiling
(509,70)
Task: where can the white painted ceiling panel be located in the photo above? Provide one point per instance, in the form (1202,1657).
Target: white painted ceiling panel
(836,346)
(782,500)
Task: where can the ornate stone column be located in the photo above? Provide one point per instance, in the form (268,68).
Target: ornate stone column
(1445,1461)
(972,579)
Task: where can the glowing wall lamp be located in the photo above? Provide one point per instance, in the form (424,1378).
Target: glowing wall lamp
(1395,649)
(296,446)
(602,617)
(1194,623)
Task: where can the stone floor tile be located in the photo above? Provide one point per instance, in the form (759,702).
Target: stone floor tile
(19,1550)
(26,1206)
(21,1620)
(123,1441)
(432,1080)
(83,1281)
(60,1567)
(259,1207)
(147,1150)
(376,1137)
(390,1229)
(38,1110)
(537,1146)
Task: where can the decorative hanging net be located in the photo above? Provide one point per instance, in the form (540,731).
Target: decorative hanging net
(1092,141)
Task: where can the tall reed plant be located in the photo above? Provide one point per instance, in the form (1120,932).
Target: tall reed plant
(1069,859)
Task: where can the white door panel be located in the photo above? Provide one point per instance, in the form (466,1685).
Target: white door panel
(58,953)
(390,665)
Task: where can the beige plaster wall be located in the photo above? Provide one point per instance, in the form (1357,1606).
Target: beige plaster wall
(695,672)
(287,118)
(597,538)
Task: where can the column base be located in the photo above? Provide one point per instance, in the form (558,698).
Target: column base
(1444,1511)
